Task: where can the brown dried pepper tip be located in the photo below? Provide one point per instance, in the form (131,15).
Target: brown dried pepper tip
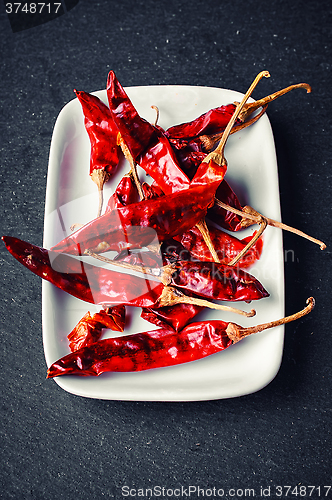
(236,332)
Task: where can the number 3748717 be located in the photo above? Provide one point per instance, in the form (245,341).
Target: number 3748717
(32,8)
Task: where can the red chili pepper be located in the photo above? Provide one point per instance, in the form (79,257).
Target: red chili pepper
(103,286)
(92,284)
(102,132)
(138,224)
(211,280)
(89,329)
(135,131)
(159,348)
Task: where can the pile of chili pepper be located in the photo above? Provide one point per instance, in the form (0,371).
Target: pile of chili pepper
(195,264)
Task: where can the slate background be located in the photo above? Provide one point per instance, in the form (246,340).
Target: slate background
(56,445)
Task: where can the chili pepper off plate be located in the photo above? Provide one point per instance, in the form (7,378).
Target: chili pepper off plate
(71,197)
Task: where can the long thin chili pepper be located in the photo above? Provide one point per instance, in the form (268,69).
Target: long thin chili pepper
(102,132)
(215,120)
(99,285)
(159,348)
(138,224)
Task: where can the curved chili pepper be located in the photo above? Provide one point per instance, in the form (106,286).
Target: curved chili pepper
(138,224)
(159,348)
(135,131)
(102,132)
(216,120)
(89,329)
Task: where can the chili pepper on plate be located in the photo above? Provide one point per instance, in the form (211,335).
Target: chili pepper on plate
(139,223)
(102,132)
(89,329)
(160,348)
(104,286)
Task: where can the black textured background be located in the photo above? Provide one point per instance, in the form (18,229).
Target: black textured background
(56,445)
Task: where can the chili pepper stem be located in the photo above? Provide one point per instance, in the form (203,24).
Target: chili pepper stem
(218,154)
(157,114)
(170,296)
(207,238)
(99,177)
(251,216)
(252,106)
(236,332)
(209,141)
(263,225)
(133,165)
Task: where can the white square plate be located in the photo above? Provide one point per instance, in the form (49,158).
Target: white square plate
(71,197)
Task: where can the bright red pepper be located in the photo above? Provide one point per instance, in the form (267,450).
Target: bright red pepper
(159,348)
(102,132)
(138,224)
(104,286)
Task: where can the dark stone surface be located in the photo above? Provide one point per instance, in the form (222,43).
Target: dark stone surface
(56,445)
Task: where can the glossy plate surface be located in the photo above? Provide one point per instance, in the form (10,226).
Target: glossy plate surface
(72,198)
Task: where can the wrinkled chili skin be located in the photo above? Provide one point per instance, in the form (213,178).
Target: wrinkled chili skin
(136,225)
(92,284)
(213,121)
(102,132)
(144,351)
(135,131)
(215,281)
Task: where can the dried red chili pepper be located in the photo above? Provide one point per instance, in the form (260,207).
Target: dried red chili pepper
(159,348)
(215,120)
(89,329)
(138,224)
(135,131)
(104,286)
(102,132)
